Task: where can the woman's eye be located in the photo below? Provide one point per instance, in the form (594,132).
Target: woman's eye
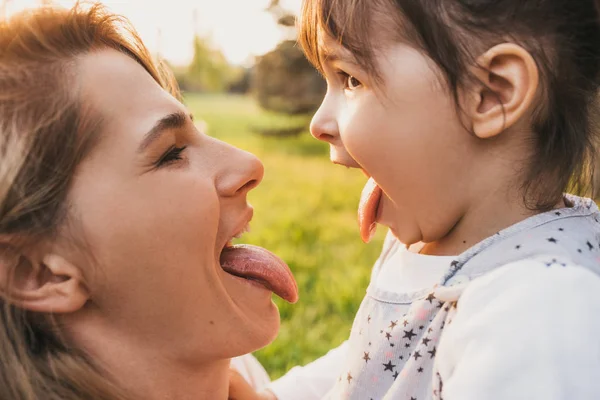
(172,155)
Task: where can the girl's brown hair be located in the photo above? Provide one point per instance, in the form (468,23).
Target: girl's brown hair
(45,131)
(563,36)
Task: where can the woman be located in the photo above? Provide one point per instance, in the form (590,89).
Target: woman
(116,220)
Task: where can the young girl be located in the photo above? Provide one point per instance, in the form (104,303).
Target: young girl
(472,118)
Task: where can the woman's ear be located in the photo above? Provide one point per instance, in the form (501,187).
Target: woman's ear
(508,83)
(47,283)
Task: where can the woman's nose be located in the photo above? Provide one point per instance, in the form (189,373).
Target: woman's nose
(324,125)
(241,172)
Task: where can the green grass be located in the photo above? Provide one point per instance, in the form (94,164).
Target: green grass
(305,211)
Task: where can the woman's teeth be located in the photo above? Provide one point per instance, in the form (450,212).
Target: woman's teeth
(238,235)
(241,233)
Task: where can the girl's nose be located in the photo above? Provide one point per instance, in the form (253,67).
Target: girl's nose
(323,125)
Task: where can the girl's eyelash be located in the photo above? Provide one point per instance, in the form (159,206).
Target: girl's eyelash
(346,77)
(172,155)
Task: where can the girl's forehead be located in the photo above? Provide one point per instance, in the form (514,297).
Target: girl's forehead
(331,50)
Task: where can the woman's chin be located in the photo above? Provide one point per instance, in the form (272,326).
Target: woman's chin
(265,326)
(256,330)
(259,317)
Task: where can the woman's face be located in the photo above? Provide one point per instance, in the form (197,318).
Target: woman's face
(156,202)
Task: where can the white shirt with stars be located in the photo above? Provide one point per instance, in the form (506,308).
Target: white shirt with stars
(514,317)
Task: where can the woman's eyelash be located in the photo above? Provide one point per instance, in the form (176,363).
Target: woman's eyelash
(170,156)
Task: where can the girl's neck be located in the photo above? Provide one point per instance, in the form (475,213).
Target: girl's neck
(489,215)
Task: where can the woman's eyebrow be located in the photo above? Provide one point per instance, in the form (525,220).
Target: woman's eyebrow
(174,120)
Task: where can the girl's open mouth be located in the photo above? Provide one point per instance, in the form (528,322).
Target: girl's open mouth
(368,209)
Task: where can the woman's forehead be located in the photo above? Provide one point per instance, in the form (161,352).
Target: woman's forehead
(124,95)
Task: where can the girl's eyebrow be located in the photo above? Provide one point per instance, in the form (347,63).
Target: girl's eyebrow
(334,55)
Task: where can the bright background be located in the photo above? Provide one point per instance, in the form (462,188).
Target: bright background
(240,28)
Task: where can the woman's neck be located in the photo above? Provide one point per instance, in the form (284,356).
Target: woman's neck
(150,372)
(168,382)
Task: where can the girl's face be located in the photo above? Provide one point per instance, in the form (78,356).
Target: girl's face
(405,133)
(156,201)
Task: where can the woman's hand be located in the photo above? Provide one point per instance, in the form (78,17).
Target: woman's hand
(239,389)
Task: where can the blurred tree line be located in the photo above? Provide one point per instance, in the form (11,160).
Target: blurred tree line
(210,72)
(281,80)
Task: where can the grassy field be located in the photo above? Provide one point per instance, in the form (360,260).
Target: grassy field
(306,213)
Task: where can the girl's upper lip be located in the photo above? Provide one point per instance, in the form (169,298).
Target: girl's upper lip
(357,166)
(346,162)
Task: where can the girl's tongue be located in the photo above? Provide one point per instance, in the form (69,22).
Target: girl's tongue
(367,210)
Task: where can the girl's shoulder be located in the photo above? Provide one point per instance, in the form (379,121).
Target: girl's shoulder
(529,322)
(570,234)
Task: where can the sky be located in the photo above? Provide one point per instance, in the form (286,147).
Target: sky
(240,28)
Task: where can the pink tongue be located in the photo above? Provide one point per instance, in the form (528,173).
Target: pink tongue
(253,262)
(367,210)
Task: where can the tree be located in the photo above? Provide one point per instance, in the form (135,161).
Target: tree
(283,80)
(209,70)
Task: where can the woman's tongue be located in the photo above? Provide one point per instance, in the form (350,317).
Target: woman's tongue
(256,263)
(367,210)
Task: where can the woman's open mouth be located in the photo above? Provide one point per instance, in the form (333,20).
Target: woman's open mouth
(259,265)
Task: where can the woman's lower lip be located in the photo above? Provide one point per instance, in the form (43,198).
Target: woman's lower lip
(253,282)
(379,211)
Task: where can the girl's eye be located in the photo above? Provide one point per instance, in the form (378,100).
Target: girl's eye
(172,155)
(352,83)
(349,82)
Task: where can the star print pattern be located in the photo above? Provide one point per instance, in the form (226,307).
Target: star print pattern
(398,342)
(389,366)
(432,352)
(409,334)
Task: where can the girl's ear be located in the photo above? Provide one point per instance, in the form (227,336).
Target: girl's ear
(508,83)
(49,283)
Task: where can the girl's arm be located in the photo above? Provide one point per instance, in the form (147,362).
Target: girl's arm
(312,381)
(530,330)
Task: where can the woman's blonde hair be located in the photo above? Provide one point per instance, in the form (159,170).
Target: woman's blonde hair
(45,131)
